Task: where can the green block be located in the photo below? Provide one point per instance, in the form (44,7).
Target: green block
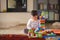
(39,35)
(36,32)
(30,30)
(42,24)
(48,34)
(32,34)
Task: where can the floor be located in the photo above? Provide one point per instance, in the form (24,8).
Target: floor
(19,29)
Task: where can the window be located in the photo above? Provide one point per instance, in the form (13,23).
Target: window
(16,5)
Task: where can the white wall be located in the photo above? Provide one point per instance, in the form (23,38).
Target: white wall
(12,19)
(29,5)
(3,5)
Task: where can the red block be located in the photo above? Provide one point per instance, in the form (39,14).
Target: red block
(36,39)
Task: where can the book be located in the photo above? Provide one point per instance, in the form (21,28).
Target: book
(46,14)
(51,16)
(41,6)
(56,16)
(45,6)
(51,6)
(57,7)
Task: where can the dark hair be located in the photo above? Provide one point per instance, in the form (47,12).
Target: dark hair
(34,13)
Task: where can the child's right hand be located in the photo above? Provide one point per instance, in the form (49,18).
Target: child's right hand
(33,28)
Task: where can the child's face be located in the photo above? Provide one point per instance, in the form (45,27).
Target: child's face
(35,17)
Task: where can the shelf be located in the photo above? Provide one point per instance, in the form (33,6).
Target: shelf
(51,21)
(52,11)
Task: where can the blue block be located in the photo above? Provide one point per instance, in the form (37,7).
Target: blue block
(44,36)
(58,38)
(48,36)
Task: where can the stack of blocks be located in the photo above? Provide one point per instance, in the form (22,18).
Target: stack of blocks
(40,31)
(42,22)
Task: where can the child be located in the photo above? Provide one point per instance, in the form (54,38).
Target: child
(33,22)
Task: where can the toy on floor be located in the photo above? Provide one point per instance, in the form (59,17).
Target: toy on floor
(40,31)
(50,36)
(58,38)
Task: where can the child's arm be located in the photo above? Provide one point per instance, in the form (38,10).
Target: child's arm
(29,24)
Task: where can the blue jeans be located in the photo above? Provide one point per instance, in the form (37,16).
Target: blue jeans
(26,30)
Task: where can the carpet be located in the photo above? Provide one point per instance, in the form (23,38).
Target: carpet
(17,37)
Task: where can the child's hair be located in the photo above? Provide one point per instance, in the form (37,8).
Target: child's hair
(34,13)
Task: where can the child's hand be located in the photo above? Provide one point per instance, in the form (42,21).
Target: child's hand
(33,28)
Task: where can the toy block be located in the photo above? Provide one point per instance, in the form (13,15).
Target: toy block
(42,24)
(42,20)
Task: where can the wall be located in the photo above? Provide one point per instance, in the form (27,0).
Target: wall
(12,19)
(3,5)
(29,5)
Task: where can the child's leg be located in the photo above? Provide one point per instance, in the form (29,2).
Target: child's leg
(26,30)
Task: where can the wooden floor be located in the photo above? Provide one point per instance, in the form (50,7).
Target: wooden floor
(19,29)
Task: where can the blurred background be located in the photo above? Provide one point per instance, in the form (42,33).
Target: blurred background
(14,14)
